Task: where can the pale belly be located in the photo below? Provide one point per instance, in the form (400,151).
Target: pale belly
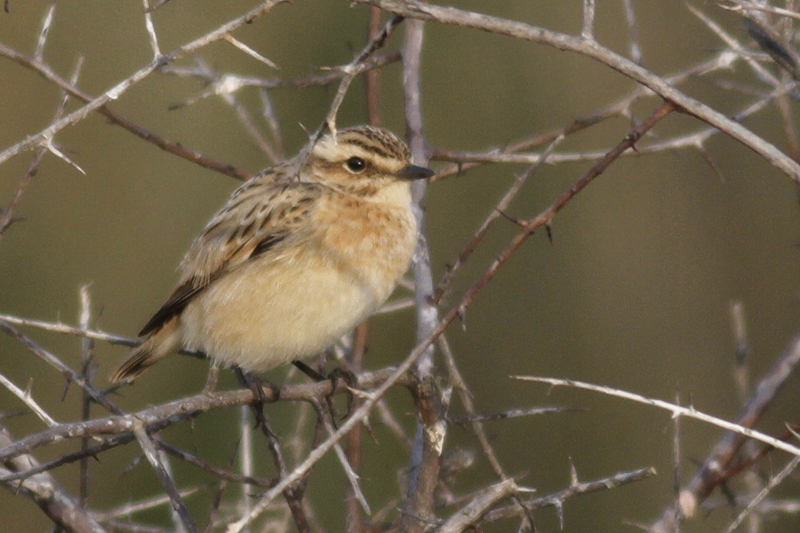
(264,315)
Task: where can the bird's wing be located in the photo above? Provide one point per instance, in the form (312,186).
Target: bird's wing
(260,215)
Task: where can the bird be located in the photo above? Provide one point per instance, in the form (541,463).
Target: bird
(299,255)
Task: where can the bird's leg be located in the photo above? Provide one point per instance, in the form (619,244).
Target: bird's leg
(350,380)
(308,371)
(334,376)
(256,385)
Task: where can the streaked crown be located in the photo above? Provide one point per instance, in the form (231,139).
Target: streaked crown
(364,160)
(378,141)
(377,146)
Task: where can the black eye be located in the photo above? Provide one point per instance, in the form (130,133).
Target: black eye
(356,164)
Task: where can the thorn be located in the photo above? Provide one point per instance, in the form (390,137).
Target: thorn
(560,510)
(519,222)
(573,474)
(548,227)
(58,153)
(66,389)
(729,494)
(364,395)
(249,51)
(331,123)
(133,464)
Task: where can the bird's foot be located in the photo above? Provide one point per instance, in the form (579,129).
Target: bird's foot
(256,385)
(335,376)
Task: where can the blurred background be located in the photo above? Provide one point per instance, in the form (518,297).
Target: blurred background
(634,291)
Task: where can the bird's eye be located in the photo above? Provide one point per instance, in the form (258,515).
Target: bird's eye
(356,165)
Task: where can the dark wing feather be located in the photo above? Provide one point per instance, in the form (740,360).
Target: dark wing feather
(177,301)
(260,215)
(267,244)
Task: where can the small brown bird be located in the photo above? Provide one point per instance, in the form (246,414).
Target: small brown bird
(298,256)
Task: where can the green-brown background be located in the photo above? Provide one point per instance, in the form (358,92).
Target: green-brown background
(633,292)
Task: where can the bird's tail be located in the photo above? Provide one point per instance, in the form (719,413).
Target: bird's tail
(155,347)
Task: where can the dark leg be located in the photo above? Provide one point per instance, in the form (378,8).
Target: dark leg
(334,376)
(308,371)
(256,385)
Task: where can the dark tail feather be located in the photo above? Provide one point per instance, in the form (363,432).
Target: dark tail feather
(137,362)
(157,346)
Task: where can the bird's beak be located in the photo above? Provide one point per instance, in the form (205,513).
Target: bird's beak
(413,172)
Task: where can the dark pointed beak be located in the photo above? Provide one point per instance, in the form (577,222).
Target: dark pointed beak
(413,172)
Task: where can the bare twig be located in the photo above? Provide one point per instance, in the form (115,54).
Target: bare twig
(741,5)
(245,478)
(27,399)
(56,363)
(356,67)
(150,452)
(501,206)
(633,33)
(59,327)
(469,516)
(588,19)
(47,493)
(87,371)
(621,109)
(115,92)
(172,412)
(6,217)
(175,148)
(141,505)
(722,456)
(448,15)
(44,32)
(352,477)
(676,410)
(151,31)
(576,488)
(431,429)
(755,502)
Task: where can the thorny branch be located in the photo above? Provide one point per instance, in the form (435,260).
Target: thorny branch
(589,48)
(431,429)
(21,472)
(119,89)
(64,510)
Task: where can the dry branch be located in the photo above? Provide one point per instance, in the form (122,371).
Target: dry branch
(590,48)
(64,510)
(47,134)
(429,477)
